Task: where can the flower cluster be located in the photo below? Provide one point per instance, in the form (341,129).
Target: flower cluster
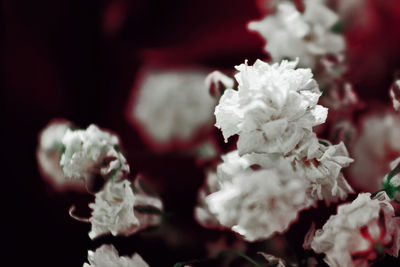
(280,167)
(360,232)
(274,108)
(308,35)
(120,208)
(107,256)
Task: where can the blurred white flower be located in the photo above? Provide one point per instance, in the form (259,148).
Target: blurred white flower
(256,195)
(107,256)
(322,163)
(376,146)
(359,233)
(274,108)
(172,105)
(117,210)
(90,152)
(50,149)
(308,35)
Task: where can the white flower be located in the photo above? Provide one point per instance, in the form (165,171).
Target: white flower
(290,33)
(107,256)
(374,149)
(256,203)
(117,210)
(50,149)
(92,151)
(274,108)
(113,210)
(322,164)
(359,232)
(172,105)
(394,93)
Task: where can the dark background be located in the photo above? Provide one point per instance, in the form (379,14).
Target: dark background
(78,60)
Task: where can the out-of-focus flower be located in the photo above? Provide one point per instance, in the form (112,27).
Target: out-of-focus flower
(274,107)
(256,195)
(394,93)
(322,163)
(90,152)
(391,181)
(308,35)
(374,149)
(360,232)
(107,256)
(50,149)
(116,211)
(172,105)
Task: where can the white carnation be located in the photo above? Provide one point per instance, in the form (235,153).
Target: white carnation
(113,210)
(273,109)
(290,33)
(92,151)
(359,232)
(172,105)
(107,256)
(123,209)
(50,149)
(256,203)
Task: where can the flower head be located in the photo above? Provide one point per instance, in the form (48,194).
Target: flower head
(113,210)
(92,151)
(274,108)
(254,199)
(322,163)
(107,256)
(359,232)
(308,35)
(50,149)
(121,209)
